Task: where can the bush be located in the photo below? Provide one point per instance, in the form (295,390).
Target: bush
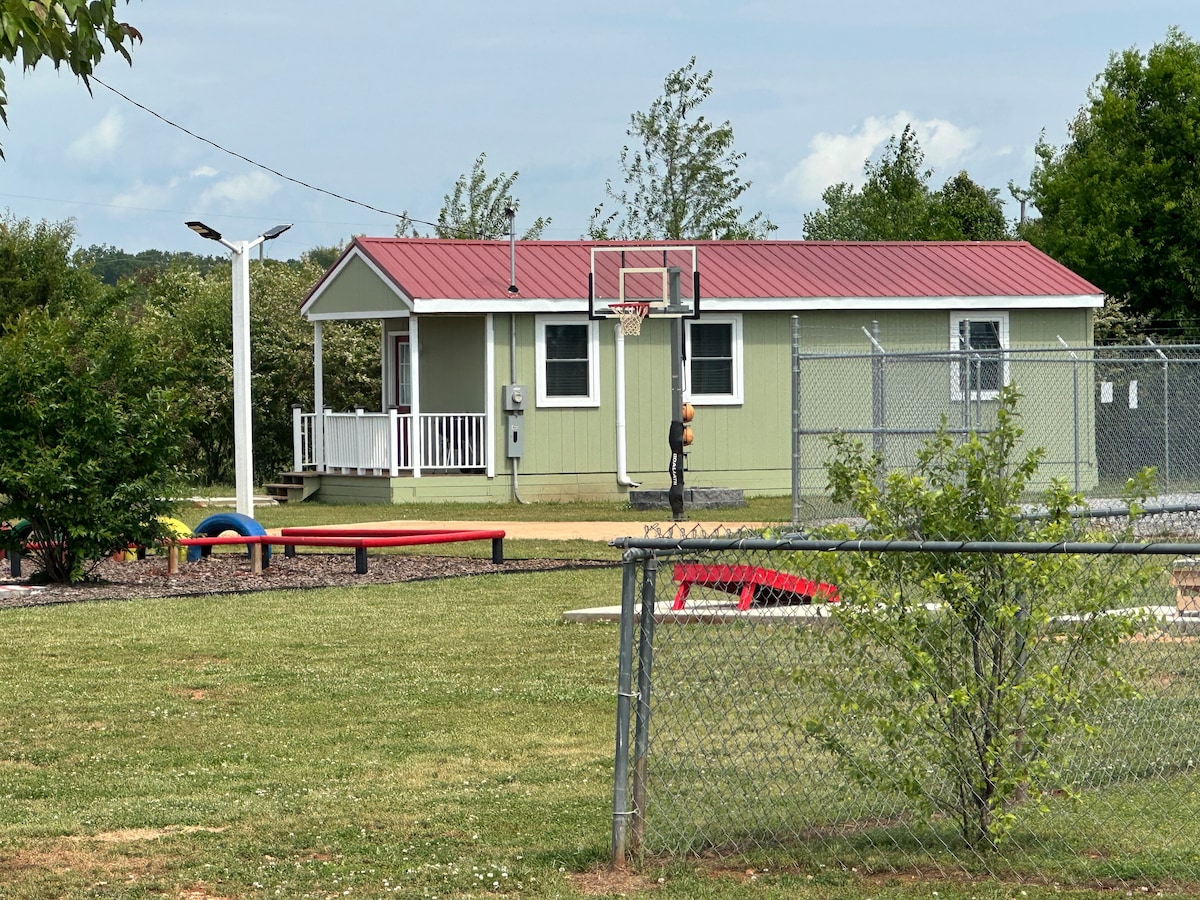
(957,676)
(91,436)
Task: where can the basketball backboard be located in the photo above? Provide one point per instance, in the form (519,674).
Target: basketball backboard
(642,274)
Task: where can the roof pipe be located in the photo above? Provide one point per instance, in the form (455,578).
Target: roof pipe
(623,478)
(510,214)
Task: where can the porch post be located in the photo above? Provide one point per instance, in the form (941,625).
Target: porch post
(416,433)
(318,396)
(489,401)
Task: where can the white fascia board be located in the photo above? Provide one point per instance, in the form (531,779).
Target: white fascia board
(799,304)
(331,276)
(358,316)
(530,305)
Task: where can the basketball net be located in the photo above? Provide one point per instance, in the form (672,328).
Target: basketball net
(630,316)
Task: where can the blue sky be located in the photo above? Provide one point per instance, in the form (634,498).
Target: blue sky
(388,102)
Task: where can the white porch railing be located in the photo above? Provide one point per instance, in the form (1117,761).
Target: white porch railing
(363,443)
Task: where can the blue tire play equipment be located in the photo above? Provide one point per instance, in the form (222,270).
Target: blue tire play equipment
(217,524)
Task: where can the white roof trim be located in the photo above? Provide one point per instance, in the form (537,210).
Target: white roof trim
(355,252)
(797,304)
(357,316)
(775,304)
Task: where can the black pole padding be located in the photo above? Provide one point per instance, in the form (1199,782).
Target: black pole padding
(497,551)
(360,560)
(14,563)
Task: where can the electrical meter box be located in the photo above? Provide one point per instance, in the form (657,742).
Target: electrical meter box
(513,397)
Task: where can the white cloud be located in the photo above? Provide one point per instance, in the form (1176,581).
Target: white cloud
(100,140)
(141,197)
(240,191)
(834,158)
(202,172)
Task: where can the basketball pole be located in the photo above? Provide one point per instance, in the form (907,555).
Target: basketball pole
(675,436)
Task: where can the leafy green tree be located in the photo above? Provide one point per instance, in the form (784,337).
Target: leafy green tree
(193,321)
(955,681)
(897,204)
(91,436)
(1120,202)
(37,270)
(477,209)
(680,179)
(113,265)
(75,32)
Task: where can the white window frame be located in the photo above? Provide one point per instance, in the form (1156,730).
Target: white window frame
(1000,317)
(592,398)
(736,396)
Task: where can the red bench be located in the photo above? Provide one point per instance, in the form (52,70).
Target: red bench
(357,539)
(745,581)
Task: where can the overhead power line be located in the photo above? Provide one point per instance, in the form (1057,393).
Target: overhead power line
(265,168)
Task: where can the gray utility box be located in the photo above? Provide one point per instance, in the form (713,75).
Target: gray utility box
(515,436)
(513,397)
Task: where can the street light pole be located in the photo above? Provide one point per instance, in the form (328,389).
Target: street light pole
(243,434)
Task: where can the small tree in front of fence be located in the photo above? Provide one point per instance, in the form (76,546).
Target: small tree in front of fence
(958,680)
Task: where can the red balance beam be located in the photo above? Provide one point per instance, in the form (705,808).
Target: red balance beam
(746,580)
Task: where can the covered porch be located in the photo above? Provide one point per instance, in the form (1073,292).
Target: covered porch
(435,413)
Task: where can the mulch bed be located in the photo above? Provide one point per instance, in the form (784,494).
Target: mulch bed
(229,573)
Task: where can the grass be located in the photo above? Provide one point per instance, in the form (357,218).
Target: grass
(439,739)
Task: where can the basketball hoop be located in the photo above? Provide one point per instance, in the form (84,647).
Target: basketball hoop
(630,316)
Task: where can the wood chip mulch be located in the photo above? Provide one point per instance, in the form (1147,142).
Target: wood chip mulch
(229,573)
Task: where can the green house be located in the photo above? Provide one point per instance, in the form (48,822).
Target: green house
(501,377)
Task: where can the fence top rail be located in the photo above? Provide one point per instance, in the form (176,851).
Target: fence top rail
(1172,353)
(645,547)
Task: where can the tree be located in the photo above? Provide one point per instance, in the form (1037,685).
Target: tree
(75,32)
(1120,202)
(896,203)
(37,270)
(192,321)
(477,209)
(91,436)
(956,681)
(681,181)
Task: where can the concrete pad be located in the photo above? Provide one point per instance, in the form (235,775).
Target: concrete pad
(711,612)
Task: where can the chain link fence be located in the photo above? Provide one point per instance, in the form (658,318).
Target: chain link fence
(1022,711)
(1099,413)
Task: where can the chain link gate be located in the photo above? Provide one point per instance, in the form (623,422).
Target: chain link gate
(811,728)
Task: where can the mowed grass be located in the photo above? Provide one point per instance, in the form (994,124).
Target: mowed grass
(436,739)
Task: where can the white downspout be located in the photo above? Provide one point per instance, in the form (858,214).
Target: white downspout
(622,476)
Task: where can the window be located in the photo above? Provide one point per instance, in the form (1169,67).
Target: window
(980,367)
(568,361)
(715,360)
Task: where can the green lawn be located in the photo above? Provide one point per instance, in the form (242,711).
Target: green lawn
(443,739)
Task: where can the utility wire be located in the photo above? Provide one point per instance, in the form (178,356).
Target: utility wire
(304,184)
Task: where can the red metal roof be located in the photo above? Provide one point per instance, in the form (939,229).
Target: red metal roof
(479,270)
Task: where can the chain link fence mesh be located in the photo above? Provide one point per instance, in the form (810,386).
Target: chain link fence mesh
(1100,414)
(858,714)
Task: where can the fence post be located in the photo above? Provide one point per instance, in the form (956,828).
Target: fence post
(878,409)
(393,441)
(620,823)
(641,727)
(1166,413)
(795,420)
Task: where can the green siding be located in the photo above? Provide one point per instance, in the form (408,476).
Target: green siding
(452,363)
(356,289)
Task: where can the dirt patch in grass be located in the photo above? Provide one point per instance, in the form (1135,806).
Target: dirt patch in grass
(228,573)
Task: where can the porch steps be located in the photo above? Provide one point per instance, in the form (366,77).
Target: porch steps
(294,487)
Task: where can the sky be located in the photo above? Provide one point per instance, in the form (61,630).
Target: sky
(388,102)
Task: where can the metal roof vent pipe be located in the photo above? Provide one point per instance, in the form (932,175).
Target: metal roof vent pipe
(511,215)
